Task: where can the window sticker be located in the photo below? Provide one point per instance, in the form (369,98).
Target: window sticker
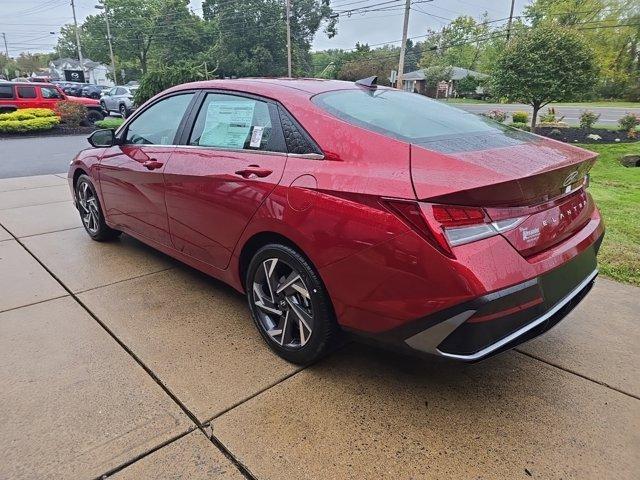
(228,123)
(256,137)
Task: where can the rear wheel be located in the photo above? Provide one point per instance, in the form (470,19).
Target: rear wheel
(91,212)
(289,304)
(93,116)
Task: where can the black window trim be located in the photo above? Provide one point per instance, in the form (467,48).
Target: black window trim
(121,132)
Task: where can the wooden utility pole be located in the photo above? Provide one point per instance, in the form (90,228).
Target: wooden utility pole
(510,20)
(75,23)
(403,47)
(288,14)
(6,48)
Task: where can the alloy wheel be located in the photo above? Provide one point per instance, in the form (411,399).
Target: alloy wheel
(283,303)
(88,208)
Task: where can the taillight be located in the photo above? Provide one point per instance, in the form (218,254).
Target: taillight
(446,226)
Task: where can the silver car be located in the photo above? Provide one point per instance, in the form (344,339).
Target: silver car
(119,100)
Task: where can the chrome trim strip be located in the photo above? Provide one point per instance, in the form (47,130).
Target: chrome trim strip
(491,348)
(308,156)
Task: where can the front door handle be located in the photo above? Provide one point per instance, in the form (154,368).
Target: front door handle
(254,170)
(152,164)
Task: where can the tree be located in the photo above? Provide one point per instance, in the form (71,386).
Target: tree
(545,64)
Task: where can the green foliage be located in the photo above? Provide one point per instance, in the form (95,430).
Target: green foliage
(161,78)
(628,123)
(521,126)
(27,114)
(468,84)
(71,113)
(33,124)
(109,122)
(544,64)
(588,119)
(520,117)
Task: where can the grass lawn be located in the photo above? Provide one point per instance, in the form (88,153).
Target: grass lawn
(616,190)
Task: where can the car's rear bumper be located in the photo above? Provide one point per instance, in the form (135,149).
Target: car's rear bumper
(503,319)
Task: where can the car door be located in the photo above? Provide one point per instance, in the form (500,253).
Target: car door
(108,99)
(50,96)
(131,173)
(234,157)
(27,97)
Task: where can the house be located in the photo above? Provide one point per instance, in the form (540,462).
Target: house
(416,81)
(68,69)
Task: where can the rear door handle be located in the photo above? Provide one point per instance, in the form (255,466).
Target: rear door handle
(152,164)
(254,170)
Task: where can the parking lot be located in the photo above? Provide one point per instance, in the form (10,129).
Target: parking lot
(116,360)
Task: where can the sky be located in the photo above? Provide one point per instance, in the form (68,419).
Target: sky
(33,25)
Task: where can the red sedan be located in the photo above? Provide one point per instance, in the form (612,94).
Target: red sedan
(339,206)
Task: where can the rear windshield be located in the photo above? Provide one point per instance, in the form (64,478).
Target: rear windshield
(406,116)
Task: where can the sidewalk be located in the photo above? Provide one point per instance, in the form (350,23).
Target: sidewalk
(116,360)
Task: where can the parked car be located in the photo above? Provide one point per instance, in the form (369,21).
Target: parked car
(119,100)
(94,91)
(335,205)
(14,96)
(73,88)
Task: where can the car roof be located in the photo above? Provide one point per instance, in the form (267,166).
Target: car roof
(32,84)
(274,87)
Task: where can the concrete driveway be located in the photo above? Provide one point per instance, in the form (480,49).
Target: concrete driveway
(608,115)
(117,361)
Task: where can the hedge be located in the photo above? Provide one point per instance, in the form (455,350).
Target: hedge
(27,113)
(30,125)
(109,123)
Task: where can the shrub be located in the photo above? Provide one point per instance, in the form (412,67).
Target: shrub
(27,113)
(588,119)
(628,123)
(520,117)
(521,125)
(71,113)
(550,117)
(497,115)
(109,123)
(30,125)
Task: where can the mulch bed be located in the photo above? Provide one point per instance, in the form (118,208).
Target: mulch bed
(578,135)
(56,131)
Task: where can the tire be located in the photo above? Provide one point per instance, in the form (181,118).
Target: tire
(123,111)
(103,106)
(93,116)
(299,327)
(91,212)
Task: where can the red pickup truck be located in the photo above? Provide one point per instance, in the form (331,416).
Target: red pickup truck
(16,95)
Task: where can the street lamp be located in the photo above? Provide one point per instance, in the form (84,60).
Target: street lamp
(106,16)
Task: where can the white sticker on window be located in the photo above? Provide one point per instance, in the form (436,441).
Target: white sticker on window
(228,123)
(256,137)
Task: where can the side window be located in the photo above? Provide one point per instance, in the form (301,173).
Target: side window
(27,92)
(112,91)
(159,123)
(120,91)
(49,92)
(233,122)
(6,91)
(298,141)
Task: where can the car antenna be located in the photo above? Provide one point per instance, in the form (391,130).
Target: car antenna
(369,82)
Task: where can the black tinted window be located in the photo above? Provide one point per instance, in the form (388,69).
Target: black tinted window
(27,92)
(402,115)
(6,91)
(159,123)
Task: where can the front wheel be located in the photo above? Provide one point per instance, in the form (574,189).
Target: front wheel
(289,304)
(123,111)
(93,116)
(91,212)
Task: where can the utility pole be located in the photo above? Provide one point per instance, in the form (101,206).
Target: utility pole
(288,14)
(510,20)
(113,59)
(75,23)
(6,49)
(403,47)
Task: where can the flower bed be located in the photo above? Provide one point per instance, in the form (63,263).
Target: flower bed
(28,120)
(579,135)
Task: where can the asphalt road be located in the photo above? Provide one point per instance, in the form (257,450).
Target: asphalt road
(608,115)
(22,157)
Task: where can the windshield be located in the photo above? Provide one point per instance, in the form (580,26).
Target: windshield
(406,116)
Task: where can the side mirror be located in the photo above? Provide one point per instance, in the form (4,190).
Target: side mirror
(105,137)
